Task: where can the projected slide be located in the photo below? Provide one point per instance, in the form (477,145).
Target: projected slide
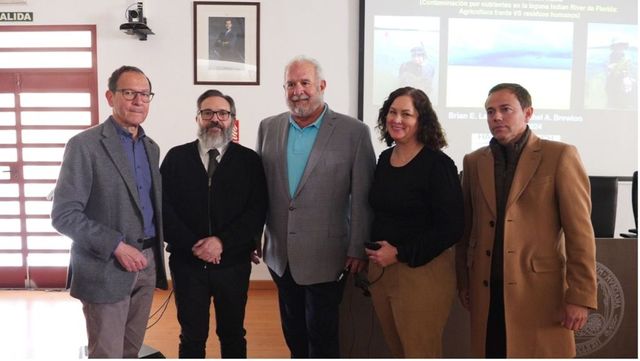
(535,53)
(577,58)
(611,71)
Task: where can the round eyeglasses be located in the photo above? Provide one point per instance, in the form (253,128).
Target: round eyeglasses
(130,94)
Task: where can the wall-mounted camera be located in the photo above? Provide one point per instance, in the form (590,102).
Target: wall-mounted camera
(136,22)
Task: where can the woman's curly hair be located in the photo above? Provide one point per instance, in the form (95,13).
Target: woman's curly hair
(430,131)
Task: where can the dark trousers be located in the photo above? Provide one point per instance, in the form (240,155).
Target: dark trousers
(194,286)
(310,316)
(496,340)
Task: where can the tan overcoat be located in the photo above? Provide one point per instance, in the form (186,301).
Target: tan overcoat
(549,247)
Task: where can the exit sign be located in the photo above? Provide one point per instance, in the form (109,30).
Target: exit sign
(9,16)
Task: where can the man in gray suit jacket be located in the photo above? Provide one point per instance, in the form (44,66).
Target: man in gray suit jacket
(319,166)
(108,201)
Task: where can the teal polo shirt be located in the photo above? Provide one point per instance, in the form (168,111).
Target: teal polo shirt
(299,144)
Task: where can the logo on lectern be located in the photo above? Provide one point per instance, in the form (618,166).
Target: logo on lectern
(602,324)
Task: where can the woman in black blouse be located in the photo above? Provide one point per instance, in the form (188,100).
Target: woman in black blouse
(417,200)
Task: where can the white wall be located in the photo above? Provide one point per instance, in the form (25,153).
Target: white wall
(324,29)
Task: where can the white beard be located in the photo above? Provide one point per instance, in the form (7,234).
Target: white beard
(307,109)
(215,140)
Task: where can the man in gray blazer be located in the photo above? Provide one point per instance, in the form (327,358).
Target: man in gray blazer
(319,166)
(108,201)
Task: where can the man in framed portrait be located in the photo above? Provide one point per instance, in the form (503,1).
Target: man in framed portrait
(226,44)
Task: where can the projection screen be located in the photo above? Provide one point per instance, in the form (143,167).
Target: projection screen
(577,58)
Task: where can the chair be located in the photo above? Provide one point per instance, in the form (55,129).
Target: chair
(633,233)
(604,199)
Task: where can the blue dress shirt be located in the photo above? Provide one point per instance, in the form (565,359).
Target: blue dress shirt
(137,155)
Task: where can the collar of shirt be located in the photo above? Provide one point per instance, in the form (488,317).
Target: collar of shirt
(204,153)
(125,133)
(316,124)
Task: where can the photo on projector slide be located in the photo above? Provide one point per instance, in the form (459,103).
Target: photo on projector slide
(612,67)
(535,53)
(406,54)
(577,58)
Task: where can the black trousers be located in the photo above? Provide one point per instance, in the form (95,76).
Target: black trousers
(194,287)
(496,340)
(310,316)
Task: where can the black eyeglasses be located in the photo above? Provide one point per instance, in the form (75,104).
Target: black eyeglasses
(208,114)
(130,94)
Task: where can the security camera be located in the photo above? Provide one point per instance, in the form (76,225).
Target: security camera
(136,22)
(134,15)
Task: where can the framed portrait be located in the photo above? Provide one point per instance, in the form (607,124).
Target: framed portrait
(226,43)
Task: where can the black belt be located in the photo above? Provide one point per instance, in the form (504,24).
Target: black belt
(148,243)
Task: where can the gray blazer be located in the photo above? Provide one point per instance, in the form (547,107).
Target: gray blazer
(95,203)
(329,217)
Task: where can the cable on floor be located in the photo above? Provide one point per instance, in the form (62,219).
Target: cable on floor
(161,309)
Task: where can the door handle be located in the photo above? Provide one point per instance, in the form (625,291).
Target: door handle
(11,169)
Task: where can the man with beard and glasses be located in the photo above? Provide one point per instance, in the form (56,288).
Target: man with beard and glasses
(319,167)
(215,200)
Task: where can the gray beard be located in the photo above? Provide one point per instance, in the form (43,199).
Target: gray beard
(304,111)
(210,141)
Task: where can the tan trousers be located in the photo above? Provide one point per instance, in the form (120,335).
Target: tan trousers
(413,304)
(116,330)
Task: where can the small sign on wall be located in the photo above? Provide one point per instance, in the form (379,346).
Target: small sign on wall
(16,16)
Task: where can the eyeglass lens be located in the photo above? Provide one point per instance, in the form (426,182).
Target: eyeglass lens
(207,114)
(129,94)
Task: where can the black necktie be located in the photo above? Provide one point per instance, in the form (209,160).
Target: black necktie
(213,163)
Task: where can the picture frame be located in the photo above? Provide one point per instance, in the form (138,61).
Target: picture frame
(226,43)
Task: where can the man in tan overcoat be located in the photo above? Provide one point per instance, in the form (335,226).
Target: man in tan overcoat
(526,264)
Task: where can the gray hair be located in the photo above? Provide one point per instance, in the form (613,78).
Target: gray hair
(305,59)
